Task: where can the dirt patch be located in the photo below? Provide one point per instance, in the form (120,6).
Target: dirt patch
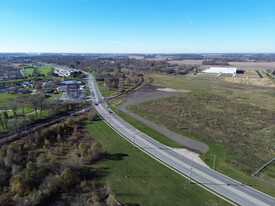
(147,93)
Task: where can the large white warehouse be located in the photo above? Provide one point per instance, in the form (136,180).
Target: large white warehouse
(221,70)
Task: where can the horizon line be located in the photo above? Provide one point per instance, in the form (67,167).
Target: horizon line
(138,53)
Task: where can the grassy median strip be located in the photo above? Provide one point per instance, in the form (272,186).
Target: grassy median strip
(148,182)
(142,127)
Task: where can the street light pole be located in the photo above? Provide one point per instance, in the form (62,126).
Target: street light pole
(214,164)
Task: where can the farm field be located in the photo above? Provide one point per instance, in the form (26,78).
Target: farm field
(236,121)
(148,182)
(248,78)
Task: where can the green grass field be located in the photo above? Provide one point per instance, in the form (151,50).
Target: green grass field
(236,121)
(148,182)
(28,71)
(4,97)
(45,70)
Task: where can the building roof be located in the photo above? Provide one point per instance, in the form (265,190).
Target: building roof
(71,82)
(221,70)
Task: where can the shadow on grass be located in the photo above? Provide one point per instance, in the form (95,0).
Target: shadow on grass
(101,173)
(115,157)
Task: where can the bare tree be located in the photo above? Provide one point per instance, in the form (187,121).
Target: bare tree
(2,121)
(3,110)
(33,102)
(41,98)
(13,107)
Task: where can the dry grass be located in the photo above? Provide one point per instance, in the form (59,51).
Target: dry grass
(248,78)
(244,131)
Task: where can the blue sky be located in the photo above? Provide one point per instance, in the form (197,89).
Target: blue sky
(137,26)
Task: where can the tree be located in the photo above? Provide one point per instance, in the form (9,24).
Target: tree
(38,86)
(3,176)
(2,121)
(68,178)
(36,101)
(5,116)
(41,98)
(13,106)
(22,101)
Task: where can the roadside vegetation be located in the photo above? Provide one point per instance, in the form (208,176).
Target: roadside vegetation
(105,91)
(137,179)
(236,121)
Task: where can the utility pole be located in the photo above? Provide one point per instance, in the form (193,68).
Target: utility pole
(214,163)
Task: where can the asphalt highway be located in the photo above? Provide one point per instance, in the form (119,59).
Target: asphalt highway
(208,178)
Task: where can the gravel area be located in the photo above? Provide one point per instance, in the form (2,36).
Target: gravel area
(150,92)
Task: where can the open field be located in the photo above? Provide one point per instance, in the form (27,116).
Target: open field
(253,65)
(148,182)
(248,78)
(239,65)
(236,121)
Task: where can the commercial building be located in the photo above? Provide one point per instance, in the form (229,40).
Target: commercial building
(221,70)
